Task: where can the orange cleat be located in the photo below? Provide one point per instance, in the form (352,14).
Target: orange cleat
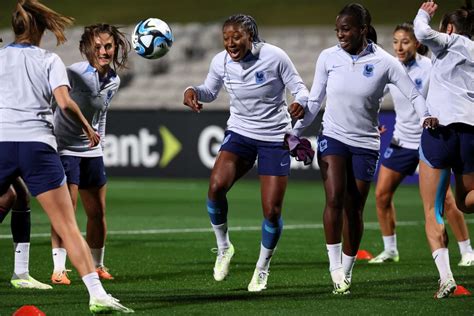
(103,273)
(60,277)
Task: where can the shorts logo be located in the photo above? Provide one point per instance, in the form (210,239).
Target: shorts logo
(323,145)
(226,139)
(388,152)
(283,164)
(371,171)
(368,70)
(418,83)
(260,77)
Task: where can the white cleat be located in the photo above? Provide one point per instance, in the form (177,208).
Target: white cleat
(107,305)
(259,281)
(342,284)
(446,288)
(386,256)
(221,267)
(29,283)
(467,260)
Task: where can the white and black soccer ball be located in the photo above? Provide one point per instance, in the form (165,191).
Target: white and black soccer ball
(152,38)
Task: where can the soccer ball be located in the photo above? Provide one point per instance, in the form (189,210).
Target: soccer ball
(152,38)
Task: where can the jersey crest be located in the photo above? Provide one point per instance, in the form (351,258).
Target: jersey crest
(368,70)
(260,77)
(418,83)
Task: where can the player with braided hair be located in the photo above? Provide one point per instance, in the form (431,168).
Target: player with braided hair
(255,74)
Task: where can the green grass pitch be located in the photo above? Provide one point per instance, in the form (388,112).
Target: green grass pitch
(159,245)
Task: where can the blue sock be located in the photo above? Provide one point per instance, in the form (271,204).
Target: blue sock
(217,211)
(271,233)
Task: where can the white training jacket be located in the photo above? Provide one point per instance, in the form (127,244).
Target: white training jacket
(407,130)
(93,98)
(28,77)
(354,86)
(451,92)
(256,86)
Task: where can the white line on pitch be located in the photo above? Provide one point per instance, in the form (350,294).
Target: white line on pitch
(368,225)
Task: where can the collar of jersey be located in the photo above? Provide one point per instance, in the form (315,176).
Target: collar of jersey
(21,45)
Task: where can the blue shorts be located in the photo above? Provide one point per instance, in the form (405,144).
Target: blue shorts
(363,161)
(449,146)
(401,160)
(36,162)
(86,172)
(273,157)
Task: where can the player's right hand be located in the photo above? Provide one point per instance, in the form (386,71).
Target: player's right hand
(93,136)
(431,122)
(191,100)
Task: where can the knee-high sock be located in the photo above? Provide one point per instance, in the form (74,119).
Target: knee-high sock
(217,211)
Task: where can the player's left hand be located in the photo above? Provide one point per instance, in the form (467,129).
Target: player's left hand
(430,7)
(431,122)
(296,111)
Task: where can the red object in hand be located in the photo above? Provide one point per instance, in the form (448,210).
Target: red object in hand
(364,255)
(29,310)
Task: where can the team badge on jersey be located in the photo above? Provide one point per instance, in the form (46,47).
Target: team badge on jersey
(260,77)
(368,70)
(323,145)
(418,83)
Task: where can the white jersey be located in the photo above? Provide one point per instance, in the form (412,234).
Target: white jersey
(93,97)
(407,131)
(354,86)
(451,92)
(28,77)
(256,85)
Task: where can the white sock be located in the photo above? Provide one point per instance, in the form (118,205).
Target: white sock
(348,264)
(390,243)
(441,258)
(93,284)
(465,246)
(222,236)
(263,263)
(22,256)
(98,256)
(59,259)
(334,254)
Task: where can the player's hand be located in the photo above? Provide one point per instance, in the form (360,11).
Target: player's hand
(431,122)
(92,135)
(382,129)
(430,7)
(296,111)
(191,100)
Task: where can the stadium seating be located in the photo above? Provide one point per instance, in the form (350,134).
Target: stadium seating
(160,83)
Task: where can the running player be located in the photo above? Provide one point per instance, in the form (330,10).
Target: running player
(93,84)
(353,75)
(29,77)
(448,147)
(401,158)
(17,199)
(255,74)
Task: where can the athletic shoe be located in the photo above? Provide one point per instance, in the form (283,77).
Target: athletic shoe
(103,273)
(341,284)
(107,305)
(259,281)
(60,277)
(29,283)
(446,288)
(467,260)
(221,267)
(386,256)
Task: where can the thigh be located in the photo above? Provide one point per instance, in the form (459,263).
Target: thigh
(227,169)
(93,200)
(334,174)
(388,180)
(433,186)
